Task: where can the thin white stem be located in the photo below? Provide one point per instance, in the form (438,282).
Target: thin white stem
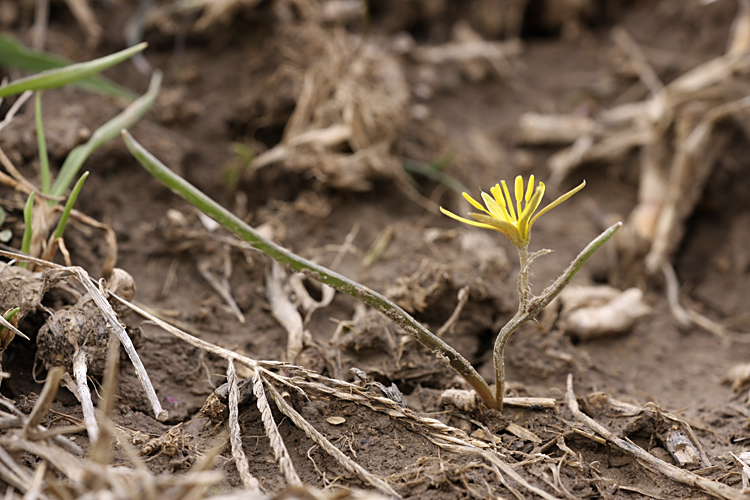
(89,417)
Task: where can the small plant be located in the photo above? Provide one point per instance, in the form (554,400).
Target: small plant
(499,214)
(7,334)
(496,216)
(37,219)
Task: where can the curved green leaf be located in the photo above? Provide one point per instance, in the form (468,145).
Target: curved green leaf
(62,76)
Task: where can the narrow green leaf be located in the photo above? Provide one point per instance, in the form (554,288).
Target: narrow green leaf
(28,212)
(68,74)
(69,206)
(42,143)
(5,323)
(15,55)
(435,172)
(11,313)
(105,133)
(9,316)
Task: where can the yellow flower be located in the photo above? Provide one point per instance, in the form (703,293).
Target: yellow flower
(500,214)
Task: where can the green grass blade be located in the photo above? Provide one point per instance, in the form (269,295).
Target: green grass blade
(16,55)
(435,171)
(10,326)
(8,316)
(62,76)
(28,231)
(41,141)
(105,133)
(317,272)
(69,206)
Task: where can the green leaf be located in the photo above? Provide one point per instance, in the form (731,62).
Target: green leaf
(69,206)
(15,55)
(105,133)
(62,76)
(9,316)
(42,144)
(435,172)
(28,212)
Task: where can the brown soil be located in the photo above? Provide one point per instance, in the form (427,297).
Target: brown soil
(222,87)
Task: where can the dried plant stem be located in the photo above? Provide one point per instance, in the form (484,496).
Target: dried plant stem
(285,311)
(448,326)
(43,404)
(222,287)
(80,374)
(109,314)
(14,109)
(12,473)
(277,443)
(713,488)
(127,344)
(529,305)
(69,465)
(35,488)
(503,467)
(101,450)
(328,447)
(235,438)
(190,339)
(324,275)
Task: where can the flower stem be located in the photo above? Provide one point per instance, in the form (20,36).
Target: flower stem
(524,289)
(499,357)
(529,306)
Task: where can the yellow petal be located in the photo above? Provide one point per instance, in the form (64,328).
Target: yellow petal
(524,226)
(519,194)
(557,201)
(498,194)
(474,202)
(495,210)
(530,189)
(467,221)
(508,229)
(510,203)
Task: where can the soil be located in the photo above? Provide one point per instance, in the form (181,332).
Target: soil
(223,86)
